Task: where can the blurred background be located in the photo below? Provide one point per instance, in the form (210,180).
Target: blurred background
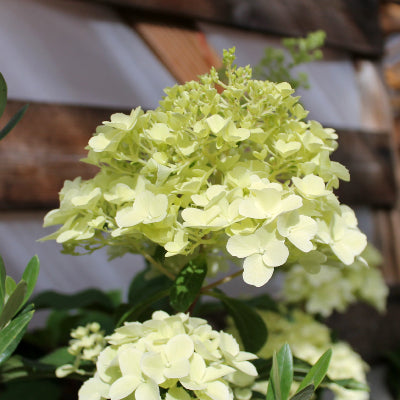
(77,62)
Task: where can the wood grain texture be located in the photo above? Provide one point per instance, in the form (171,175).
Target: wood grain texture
(352,25)
(43,151)
(183,51)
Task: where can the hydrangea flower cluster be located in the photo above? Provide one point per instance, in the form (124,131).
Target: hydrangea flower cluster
(179,356)
(352,283)
(86,344)
(308,340)
(218,165)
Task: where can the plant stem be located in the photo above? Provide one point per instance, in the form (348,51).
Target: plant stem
(159,266)
(221,281)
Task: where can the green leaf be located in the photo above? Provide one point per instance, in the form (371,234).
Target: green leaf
(304,394)
(10,285)
(285,365)
(58,357)
(263,302)
(30,276)
(88,298)
(350,384)
(275,379)
(142,288)
(13,304)
(187,284)
(270,393)
(134,312)
(32,390)
(251,327)
(3,276)
(17,367)
(13,121)
(263,367)
(3,94)
(12,334)
(317,371)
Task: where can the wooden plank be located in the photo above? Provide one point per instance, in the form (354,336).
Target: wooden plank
(368,156)
(174,43)
(384,242)
(43,151)
(352,25)
(46,146)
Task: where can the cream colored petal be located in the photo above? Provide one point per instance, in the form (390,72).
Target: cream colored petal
(153,366)
(123,387)
(243,246)
(255,272)
(180,347)
(276,253)
(147,391)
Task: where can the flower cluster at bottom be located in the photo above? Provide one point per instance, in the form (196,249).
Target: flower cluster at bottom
(173,357)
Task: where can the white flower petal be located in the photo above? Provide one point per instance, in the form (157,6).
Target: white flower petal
(255,272)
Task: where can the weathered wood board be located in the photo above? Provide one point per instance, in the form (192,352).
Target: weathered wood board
(369,158)
(45,149)
(352,25)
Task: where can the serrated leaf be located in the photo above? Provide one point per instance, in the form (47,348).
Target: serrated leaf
(317,372)
(12,334)
(3,94)
(30,276)
(13,304)
(13,121)
(187,284)
(251,327)
(3,276)
(304,394)
(88,298)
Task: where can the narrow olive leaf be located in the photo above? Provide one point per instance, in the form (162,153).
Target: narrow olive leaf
(3,276)
(13,121)
(285,365)
(30,276)
(10,285)
(270,392)
(13,304)
(251,327)
(187,284)
(275,379)
(12,334)
(304,394)
(3,94)
(142,287)
(351,384)
(317,372)
(88,298)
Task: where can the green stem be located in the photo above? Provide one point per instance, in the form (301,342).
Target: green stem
(159,266)
(221,281)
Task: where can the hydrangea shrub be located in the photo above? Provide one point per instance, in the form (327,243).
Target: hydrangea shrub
(217,166)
